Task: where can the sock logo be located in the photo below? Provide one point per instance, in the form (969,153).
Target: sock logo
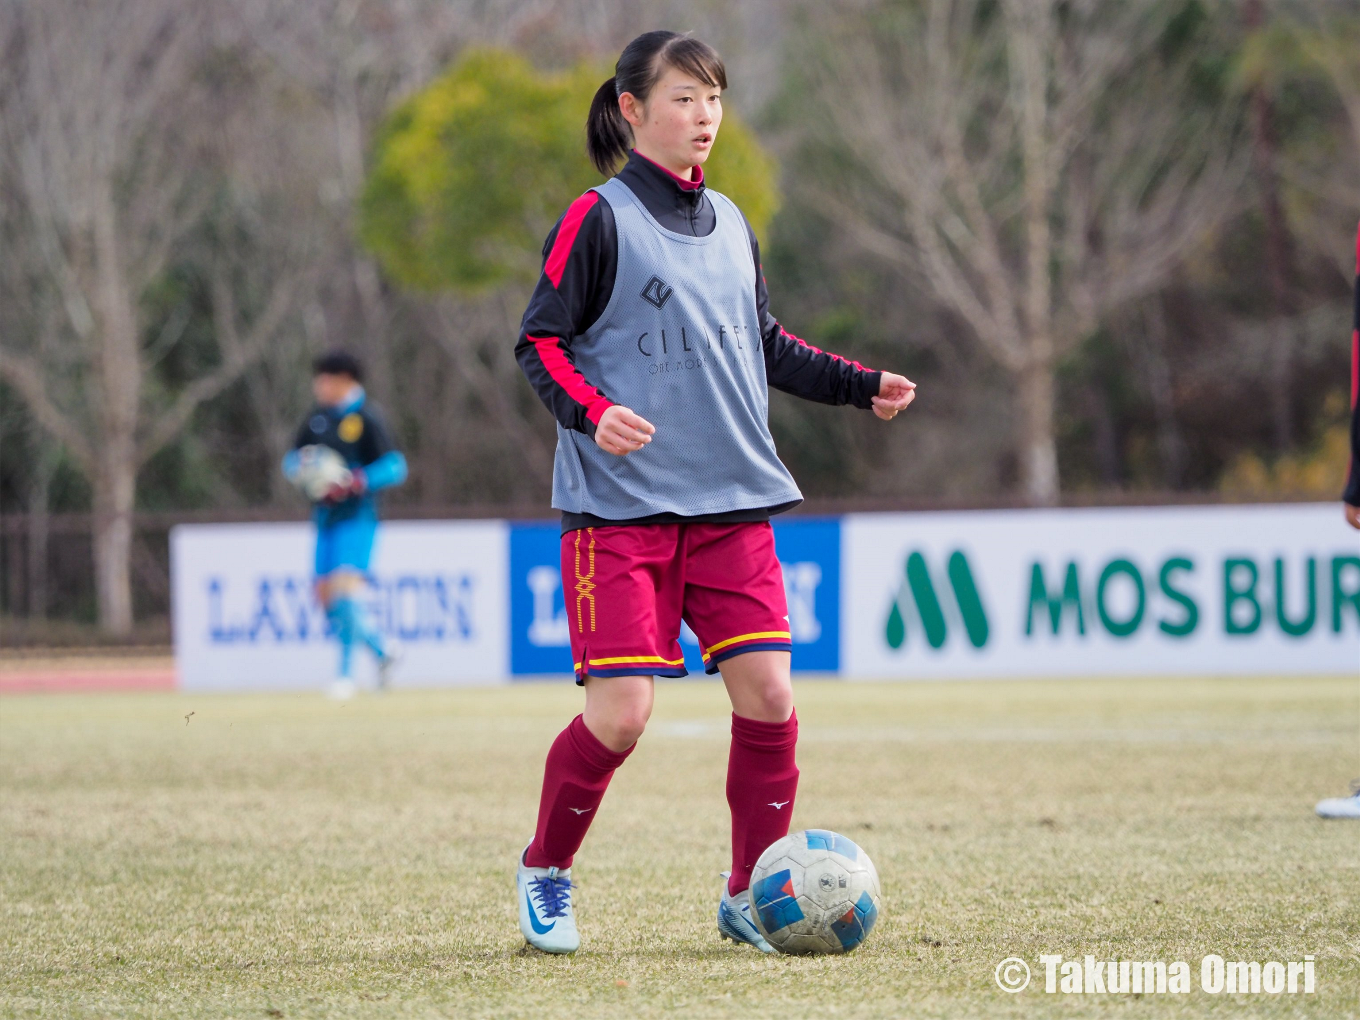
(778,805)
(918,588)
(580,810)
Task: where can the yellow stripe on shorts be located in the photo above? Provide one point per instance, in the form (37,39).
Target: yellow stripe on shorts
(748,637)
(635,658)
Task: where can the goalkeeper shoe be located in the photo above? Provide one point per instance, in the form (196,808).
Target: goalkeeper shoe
(392,655)
(1341,807)
(546,916)
(734,918)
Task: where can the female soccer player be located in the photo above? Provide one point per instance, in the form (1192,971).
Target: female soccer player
(347,518)
(649,338)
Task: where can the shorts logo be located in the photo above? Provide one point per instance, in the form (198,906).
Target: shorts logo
(657,292)
(585,584)
(351,428)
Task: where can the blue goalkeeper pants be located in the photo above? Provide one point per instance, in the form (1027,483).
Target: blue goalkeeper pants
(341,548)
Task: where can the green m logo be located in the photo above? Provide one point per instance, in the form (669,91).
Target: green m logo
(920,588)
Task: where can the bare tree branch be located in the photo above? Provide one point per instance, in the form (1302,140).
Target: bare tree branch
(1045,162)
(239,355)
(27,377)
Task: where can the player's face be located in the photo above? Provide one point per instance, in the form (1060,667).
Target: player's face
(678,123)
(331,390)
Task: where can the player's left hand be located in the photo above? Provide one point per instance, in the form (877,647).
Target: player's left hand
(895,392)
(1352,515)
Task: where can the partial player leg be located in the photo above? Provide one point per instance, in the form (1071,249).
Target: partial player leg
(623,588)
(580,764)
(348,551)
(364,631)
(355,540)
(349,620)
(734,600)
(762,774)
(331,591)
(762,778)
(329,575)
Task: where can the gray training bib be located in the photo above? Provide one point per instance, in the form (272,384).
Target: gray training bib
(679,344)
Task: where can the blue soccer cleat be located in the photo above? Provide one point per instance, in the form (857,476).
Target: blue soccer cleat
(545,912)
(734,918)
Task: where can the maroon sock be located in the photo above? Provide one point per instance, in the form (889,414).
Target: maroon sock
(575,777)
(762,780)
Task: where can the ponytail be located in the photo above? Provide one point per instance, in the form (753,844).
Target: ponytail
(609,136)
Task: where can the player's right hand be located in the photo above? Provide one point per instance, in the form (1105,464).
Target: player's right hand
(336,494)
(620,431)
(1352,515)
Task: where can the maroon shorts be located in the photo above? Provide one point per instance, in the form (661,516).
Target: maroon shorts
(628,587)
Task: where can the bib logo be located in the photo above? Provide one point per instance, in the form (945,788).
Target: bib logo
(918,587)
(657,292)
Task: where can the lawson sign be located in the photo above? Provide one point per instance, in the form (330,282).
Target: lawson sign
(245,616)
(1201,590)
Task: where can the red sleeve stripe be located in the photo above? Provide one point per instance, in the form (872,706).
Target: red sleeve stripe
(573,382)
(566,236)
(817,350)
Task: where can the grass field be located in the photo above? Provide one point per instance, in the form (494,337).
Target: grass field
(280,855)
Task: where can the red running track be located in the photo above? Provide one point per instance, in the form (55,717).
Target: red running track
(73,680)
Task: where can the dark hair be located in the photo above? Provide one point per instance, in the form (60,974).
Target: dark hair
(338,363)
(608,135)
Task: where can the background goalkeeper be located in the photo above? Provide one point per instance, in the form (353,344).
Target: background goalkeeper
(344,504)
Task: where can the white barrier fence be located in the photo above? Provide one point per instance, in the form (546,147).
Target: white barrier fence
(1201,590)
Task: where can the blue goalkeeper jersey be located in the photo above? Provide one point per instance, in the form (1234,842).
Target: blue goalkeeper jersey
(358,433)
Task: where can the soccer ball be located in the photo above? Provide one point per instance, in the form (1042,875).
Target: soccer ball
(814,892)
(319,468)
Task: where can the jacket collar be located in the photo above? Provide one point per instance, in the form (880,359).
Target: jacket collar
(676,203)
(352,402)
(694,184)
(658,187)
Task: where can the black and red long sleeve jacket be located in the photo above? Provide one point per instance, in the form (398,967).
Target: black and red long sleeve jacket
(580,257)
(1352,494)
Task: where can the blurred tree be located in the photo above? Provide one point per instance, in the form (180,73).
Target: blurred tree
(1313,49)
(107,139)
(1280,245)
(1038,163)
(470,173)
